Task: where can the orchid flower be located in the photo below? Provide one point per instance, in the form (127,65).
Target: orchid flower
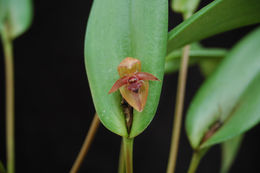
(133,84)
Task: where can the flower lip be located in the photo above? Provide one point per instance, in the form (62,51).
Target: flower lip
(135,86)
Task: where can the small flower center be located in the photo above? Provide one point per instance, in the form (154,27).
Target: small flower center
(132,79)
(133,84)
(134,87)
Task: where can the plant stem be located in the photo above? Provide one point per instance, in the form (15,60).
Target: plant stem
(121,167)
(86,145)
(9,87)
(128,154)
(178,110)
(195,160)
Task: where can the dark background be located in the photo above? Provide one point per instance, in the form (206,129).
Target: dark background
(54,107)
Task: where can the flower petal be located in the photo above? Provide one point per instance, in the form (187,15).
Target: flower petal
(136,100)
(146,76)
(129,66)
(119,83)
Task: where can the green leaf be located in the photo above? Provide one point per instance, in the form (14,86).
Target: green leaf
(19,16)
(217,17)
(227,104)
(118,29)
(198,54)
(186,7)
(245,115)
(229,152)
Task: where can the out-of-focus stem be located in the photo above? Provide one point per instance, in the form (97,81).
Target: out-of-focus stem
(9,87)
(178,110)
(86,145)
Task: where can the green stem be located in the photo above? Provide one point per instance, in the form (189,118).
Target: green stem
(9,87)
(128,153)
(178,111)
(121,167)
(86,145)
(195,160)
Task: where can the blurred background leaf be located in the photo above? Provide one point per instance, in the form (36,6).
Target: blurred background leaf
(198,55)
(227,104)
(186,7)
(217,17)
(17,15)
(208,66)
(229,150)
(3,10)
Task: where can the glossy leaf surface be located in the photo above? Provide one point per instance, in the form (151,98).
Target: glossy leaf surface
(217,17)
(118,29)
(229,152)
(229,98)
